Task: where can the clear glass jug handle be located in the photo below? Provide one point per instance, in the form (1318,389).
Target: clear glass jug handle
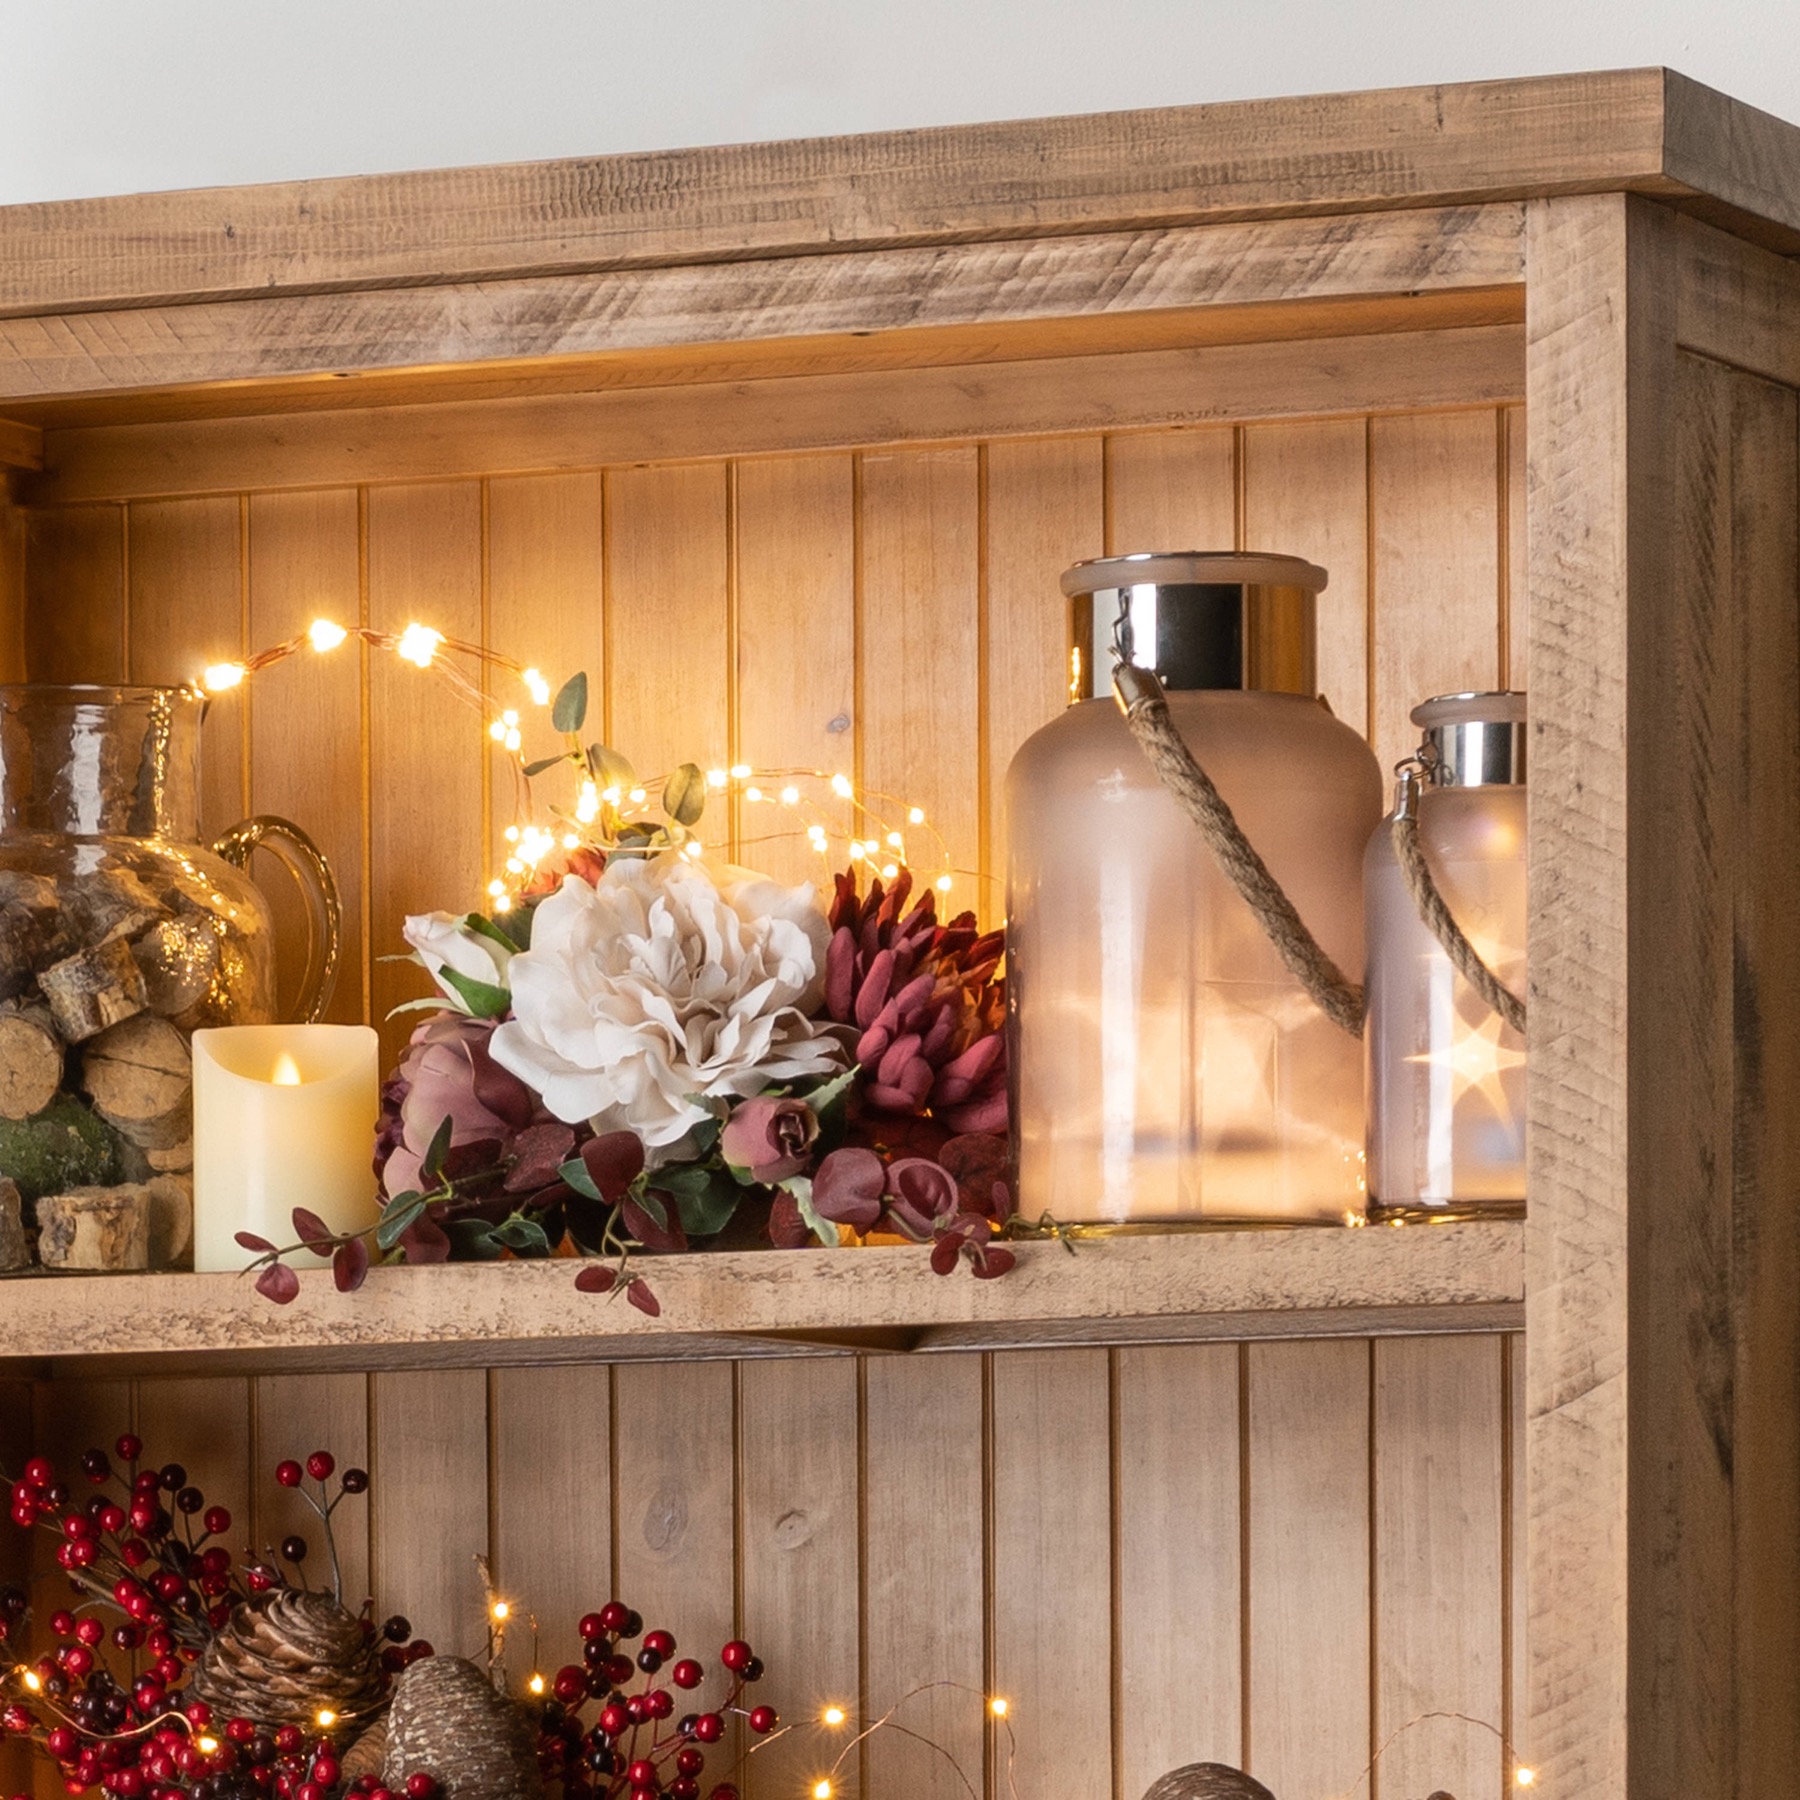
(306,863)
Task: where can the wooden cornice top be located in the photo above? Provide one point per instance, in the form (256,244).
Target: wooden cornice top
(1640,130)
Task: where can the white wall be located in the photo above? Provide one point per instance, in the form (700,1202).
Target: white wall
(108,96)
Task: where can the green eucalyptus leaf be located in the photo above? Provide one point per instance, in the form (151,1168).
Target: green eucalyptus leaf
(684,795)
(800,1186)
(438,1153)
(483,999)
(472,1240)
(610,770)
(535,769)
(522,1236)
(396,1216)
(707,1210)
(575,1173)
(568,712)
(652,1203)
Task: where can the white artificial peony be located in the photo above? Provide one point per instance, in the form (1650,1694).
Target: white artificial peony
(657,988)
(443,940)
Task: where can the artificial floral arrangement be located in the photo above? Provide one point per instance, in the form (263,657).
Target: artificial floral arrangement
(637,1050)
(250,1685)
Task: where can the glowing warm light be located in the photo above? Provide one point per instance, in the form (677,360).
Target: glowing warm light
(32,1680)
(916,816)
(790,796)
(834,1715)
(856,852)
(754,793)
(997,1707)
(840,785)
(944,884)
(587,806)
(496,888)
(1477,1060)
(418,644)
(536,1684)
(638,796)
(1355,1218)
(511,834)
(716,778)
(206,1745)
(570,840)
(889,871)
(896,841)
(741,771)
(503,903)
(326,1717)
(501,1611)
(693,849)
(536,686)
(1524,1777)
(325,634)
(497,732)
(821,1790)
(221,676)
(287,1071)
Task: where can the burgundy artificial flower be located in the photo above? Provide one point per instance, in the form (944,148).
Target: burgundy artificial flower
(770,1139)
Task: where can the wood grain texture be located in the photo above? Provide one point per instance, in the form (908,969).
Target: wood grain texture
(971,302)
(75,594)
(1439,1485)
(1307,1425)
(294,1416)
(550,1437)
(794,561)
(21,445)
(675,1504)
(800,1558)
(1306,493)
(13,530)
(1104,172)
(187,608)
(1434,505)
(1481,365)
(1171,491)
(1586,305)
(428,1448)
(668,620)
(1123,1282)
(424,563)
(925,1581)
(1044,508)
(1053,1578)
(1179,1685)
(1737,303)
(546,586)
(1515,642)
(919,680)
(308,725)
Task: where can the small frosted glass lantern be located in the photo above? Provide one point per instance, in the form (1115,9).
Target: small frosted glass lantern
(1166,1067)
(1446,1076)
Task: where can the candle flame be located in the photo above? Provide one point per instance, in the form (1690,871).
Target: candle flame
(287,1071)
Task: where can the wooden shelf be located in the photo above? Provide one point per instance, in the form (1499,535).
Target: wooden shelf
(1178,1288)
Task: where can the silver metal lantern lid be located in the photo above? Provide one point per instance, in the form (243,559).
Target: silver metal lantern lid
(1200,619)
(1473,740)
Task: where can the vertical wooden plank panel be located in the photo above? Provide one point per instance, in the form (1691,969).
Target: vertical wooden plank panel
(424,563)
(16,1448)
(551,1433)
(1438,1564)
(1046,509)
(545,610)
(1180,1576)
(1518,1636)
(796,645)
(204,1424)
(800,1561)
(186,602)
(924,1577)
(1518,586)
(1308,1424)
(306,720)
(674,1499)
(668,663)
(296,1415)
(1306,493)
(75,594)
(1435,499)
(1171,490)
(1052,1575)
(12,585)
(919,652)
(428,1464)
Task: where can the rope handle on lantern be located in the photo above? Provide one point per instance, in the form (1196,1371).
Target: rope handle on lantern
(1429,902)
(1146,710)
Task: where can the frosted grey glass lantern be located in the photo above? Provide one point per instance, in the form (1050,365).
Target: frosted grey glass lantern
(1446,1076)
(1166,1067)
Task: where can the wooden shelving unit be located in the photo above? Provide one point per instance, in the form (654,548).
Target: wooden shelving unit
(1185,1288)
(801,435)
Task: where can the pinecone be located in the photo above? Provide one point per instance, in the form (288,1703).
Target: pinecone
(284,1657)
(447,1721)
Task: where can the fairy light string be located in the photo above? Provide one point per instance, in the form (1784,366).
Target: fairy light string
(837,820)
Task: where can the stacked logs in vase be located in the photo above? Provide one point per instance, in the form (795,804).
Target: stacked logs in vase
(100,983)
